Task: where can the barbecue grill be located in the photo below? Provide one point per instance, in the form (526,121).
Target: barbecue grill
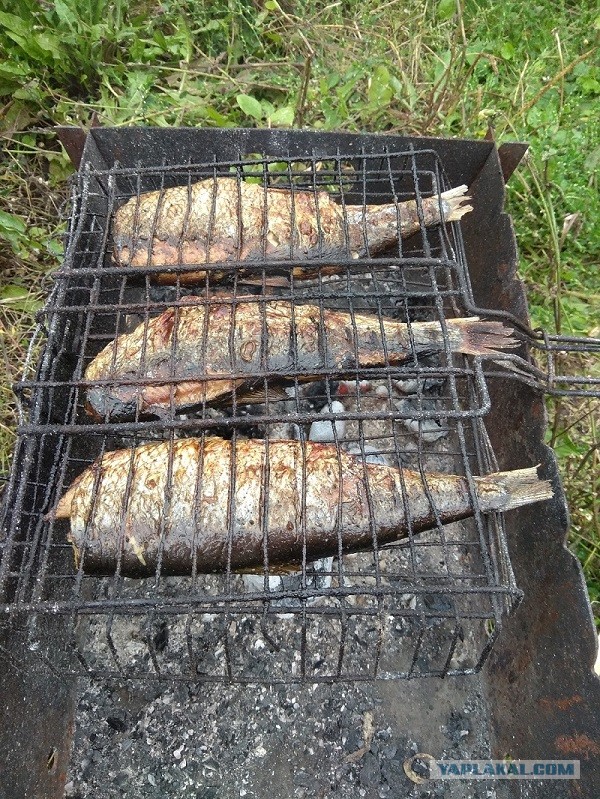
(437,604)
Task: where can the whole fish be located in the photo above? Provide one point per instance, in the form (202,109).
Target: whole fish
(219,219)
(213,505)
(203,352)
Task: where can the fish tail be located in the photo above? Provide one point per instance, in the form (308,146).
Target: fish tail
(470,335)
(453,202)
(506,490)
(474,336)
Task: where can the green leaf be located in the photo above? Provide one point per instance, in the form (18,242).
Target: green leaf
(380,91)
(446,9)
(55,248)
(272,5)
(592,160)
(17,117)
(268,109)
(11,22)
(29,46)
(250,106)
(51,44)
(12,70)
(211,25)
(27,305)
(67,16)
(18,298)
(565,447)
(185,45)
(212,114)
(283,116)
(507,51)
(13,292)
(30,92)
(9,223)
(260,19)
(589,85)
(161,40)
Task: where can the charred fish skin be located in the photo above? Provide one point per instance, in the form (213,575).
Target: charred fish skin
(197,349)
(221,220)
(201,506)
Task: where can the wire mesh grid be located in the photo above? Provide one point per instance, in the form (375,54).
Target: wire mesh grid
(226,372)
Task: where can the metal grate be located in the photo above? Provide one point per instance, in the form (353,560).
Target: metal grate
(429,605)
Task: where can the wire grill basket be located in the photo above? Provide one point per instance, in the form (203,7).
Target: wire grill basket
(429,605)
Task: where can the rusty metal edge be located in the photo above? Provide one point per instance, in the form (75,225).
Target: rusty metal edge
(37,712)
(511,154)
(543,697)
(73,140)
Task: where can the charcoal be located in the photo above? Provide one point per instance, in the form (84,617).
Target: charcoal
(370,773)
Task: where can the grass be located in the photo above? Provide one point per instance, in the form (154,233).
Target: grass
(451,67)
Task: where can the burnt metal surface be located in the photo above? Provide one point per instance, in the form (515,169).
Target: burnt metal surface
(37,717)
(341,741)
(511,154)
(73,140)
(537,696)
(543,696)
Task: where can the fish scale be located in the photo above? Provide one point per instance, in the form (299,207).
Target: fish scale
(255,503)
(221,219)
(201,353)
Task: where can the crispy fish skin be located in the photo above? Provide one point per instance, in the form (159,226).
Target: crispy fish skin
(212,505)
(220,220)
(197,348)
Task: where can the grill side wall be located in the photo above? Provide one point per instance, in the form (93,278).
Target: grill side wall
(542,695)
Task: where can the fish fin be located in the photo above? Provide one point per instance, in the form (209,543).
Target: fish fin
(163,327)
(76,552)
(279,282)
(474,336)
(279,570)
(453,203)
(506,490)
(248,395)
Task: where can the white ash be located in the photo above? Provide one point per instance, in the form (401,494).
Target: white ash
(428,430)
(309,398)
(378,434)
(317,577)
(234,737)
(418,385)
(283,741)
(325,430)
(369,453)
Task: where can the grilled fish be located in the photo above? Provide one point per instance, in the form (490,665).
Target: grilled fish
(203,353)
(220,219)
(213,505)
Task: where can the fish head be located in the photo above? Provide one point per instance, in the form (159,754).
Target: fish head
(118,405)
